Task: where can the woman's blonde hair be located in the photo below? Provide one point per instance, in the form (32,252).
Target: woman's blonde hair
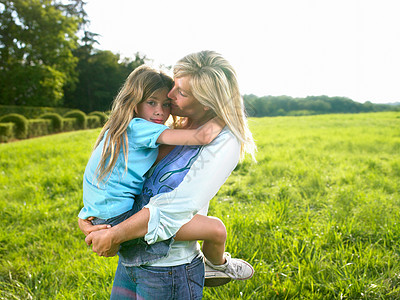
(140,85)
(214,84)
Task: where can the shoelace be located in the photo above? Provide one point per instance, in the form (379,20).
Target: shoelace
(237,268)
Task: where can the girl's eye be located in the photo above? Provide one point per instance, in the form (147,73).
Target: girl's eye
(150,102)
(168,104)
(182,94)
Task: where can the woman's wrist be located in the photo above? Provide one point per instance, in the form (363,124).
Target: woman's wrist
(132,228)
(117,235)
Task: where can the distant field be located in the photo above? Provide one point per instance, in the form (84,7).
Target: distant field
(318,216)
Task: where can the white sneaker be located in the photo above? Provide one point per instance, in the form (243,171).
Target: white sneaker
(234,268)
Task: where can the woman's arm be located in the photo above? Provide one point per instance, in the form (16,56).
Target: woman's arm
(169,211)
(166,213)
(201,136)
(106,242)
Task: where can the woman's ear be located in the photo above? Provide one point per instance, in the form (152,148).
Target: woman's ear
(135,111)
(206,108)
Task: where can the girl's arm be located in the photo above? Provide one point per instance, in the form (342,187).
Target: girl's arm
(200,136)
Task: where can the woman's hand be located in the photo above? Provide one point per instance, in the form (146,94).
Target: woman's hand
(87,227)
(106,242)
(102,242)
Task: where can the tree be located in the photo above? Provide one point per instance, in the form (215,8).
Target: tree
(37,38)
(101,74)
(285,105)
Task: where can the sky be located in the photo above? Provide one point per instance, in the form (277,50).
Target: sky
(299,48)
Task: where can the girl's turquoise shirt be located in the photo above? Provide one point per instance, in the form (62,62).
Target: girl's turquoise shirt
(116,195)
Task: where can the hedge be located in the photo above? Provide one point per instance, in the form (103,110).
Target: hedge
(80,116)
(39,127)
(93,121)
(17,126)
(69,124)
(31,112)
(6,132)
(103,117)
(56,121)
(21,124)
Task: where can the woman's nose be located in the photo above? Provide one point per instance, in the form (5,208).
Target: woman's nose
(171,93)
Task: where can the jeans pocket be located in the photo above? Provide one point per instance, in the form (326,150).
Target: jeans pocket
(195,274)
(151,282)
(153,270)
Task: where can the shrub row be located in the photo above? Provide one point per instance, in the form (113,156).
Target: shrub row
(31,112)
(16,126)
(6,131)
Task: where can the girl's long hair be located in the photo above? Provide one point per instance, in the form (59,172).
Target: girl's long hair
(140,85)
(214,84)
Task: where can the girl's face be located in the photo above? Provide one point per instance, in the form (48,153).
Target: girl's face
(183,102)
(156,108)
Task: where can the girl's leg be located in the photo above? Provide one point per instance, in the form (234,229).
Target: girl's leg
(213,232)
(209,229)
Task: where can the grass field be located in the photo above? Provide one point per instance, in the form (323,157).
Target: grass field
(318,216)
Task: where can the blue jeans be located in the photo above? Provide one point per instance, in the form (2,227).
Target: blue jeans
(182,282)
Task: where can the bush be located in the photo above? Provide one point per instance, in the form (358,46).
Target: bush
(56,121)
(39,127)
(69,124)
(103,117)
(31,112)
(6,132)
(93,121)
(21,124)
(79,116)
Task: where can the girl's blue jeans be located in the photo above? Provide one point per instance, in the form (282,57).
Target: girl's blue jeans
(146,282)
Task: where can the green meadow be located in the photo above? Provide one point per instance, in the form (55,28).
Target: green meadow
(318,216)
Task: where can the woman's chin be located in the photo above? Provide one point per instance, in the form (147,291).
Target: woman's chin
(177,113)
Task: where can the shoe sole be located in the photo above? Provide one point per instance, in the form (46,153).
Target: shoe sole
(213,282)
(216,278)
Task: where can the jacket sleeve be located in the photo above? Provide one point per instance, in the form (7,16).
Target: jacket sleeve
(169,211)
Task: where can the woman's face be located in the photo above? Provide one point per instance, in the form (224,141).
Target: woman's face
(183,102)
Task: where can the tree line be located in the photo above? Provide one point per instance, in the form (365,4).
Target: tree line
(48,58)
(311,105)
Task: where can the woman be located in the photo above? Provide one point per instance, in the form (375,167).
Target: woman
(180,186)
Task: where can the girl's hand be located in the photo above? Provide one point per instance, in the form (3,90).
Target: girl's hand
(87,227)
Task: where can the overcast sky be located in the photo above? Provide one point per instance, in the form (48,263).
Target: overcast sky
(347,48)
